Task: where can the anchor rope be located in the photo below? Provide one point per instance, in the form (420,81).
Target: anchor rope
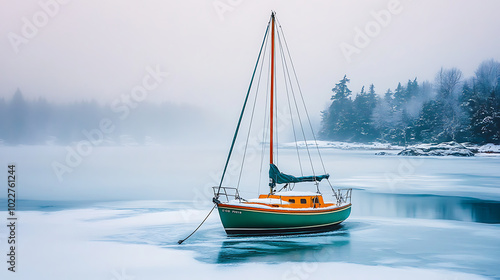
(182,240)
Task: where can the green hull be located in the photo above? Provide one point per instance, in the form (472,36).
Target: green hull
(257,221)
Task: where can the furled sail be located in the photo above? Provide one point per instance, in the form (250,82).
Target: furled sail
(282,178)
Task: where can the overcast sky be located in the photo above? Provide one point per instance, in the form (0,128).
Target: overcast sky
(101,49)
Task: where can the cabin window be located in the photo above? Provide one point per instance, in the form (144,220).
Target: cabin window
(291,200)
(303,201)
(316,200)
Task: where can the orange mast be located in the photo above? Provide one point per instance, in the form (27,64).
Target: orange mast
(272,89)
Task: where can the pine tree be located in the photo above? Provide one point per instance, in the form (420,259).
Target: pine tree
(388,96)
(3,120)
(17,113)
(399,96)
(412,90)
(428,125)
(363,106)
(337,120)
(468,105)
(447,110)
(486,122)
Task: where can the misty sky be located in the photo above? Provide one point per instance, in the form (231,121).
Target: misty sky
(101,49)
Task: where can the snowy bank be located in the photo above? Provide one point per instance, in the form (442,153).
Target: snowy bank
(442,149)
(450,149)
(489,148)
(342,145)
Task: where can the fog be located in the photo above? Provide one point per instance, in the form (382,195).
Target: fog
(69,51)
(91,75)
(42,122)
(116,119)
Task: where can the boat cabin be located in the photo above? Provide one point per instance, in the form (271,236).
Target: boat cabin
(292,199)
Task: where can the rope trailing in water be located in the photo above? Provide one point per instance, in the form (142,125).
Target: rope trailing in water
(182,240)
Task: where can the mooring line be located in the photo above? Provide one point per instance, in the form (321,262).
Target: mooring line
(182,240)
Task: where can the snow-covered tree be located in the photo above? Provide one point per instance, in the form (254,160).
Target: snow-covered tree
(337,119)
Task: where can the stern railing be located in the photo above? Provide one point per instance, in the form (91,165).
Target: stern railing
(227,192)
(343,196)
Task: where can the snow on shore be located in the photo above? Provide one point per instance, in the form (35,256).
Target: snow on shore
(489,148)
(343,145)
(441,149)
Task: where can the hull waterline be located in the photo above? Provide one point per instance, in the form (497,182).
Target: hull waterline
(240,220)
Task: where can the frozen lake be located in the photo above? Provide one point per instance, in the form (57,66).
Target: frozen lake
(412,218)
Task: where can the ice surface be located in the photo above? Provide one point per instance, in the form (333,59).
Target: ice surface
(412,217)
(132,173)
(126,241)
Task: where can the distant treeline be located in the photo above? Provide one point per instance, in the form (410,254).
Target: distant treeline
(41,122)
(450,109)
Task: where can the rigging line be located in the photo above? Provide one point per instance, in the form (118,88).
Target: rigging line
(290,106)
(328,180)
(182,240)
(265,126)
(303,101)
(251,120)
(333,190)
(300,119)
(235,135)
(242,111)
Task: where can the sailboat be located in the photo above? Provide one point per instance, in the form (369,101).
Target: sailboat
(283,210)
